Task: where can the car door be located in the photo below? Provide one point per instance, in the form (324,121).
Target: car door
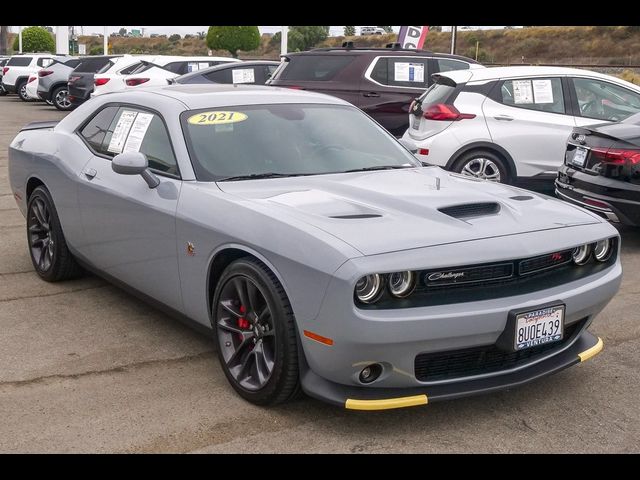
(390,84)
(531,119)
(129,228)
(599,101)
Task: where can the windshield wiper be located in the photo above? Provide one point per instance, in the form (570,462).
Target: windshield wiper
(378,167)
(256,176)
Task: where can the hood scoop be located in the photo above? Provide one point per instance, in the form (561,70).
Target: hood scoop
(468,210)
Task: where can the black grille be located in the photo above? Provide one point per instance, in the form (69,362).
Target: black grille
(431,367)
(471,210)
(435,278)
(544,262)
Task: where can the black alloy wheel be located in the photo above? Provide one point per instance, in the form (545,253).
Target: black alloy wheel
(256,335)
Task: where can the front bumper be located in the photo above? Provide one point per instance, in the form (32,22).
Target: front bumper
(357,398)
(616,200)
(395,337)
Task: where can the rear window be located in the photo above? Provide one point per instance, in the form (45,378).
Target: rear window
(447,65)
(437,93)
(72,63)
(94,65)
(130,69)
(314,67)
(19,61)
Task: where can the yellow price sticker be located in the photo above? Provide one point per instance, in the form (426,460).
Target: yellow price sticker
(216,118)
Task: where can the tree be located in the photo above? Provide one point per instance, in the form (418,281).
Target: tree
(4,40)
(233,39)
(387,29)
(175,37)
(349,31)
(201,35)
(35,39)
(302,38)
(123,32)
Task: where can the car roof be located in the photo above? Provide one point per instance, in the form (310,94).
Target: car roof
(391,52)
(195,96)
(495,73)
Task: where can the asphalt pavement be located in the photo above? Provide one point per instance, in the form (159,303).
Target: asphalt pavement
(86,367)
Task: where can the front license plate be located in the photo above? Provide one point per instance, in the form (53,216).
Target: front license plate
(579,157)
(539,327)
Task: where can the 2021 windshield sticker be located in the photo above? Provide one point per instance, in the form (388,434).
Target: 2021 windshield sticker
(216,118)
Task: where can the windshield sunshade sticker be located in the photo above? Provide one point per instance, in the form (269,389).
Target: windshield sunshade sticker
(216,118)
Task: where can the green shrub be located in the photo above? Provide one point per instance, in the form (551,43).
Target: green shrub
(35,39)
(233,39)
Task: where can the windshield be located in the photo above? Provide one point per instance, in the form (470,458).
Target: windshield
(288,139)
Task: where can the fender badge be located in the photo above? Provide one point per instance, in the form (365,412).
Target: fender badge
(191,250)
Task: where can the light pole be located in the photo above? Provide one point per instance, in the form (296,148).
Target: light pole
(19,39)
(453,40)
(283,40)
(105,41)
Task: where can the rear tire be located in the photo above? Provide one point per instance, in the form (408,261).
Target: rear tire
(48,249)
(255,332)
(3,92)
(483,164)
(60,99)
(21,90)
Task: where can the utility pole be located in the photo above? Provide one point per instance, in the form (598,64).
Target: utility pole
(19,39)
(453,40)
(283,40)
(477,46)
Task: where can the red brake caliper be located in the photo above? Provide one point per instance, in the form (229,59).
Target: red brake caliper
(243,322)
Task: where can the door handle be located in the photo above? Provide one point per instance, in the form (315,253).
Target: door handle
(504,118)
(371,94)
(90,173)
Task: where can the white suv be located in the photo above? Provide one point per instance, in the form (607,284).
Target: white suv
(372,31)
(508,122)
(15,73)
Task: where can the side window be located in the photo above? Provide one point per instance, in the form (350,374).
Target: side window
(44,62)
(542,94)
(446,65)
(605,101)
(95,131)
(269,70)
(401,72)
(219,76)
(119,129)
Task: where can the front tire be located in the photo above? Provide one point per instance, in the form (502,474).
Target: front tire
(483,164)
(47,246)
(255,331)
(60,98)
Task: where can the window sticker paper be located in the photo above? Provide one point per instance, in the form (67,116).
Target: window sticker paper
(542,91)
(243,75)
(408,72)
(522,91)
(137,132)
(121,131)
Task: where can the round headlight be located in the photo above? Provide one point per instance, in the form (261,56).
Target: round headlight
(581,254)
(368,288)
(401,283)
(602,250)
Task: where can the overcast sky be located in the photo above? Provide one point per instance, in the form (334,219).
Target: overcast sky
(88,29)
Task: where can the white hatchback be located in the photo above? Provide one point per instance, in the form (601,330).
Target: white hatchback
(508,122)
(150,70)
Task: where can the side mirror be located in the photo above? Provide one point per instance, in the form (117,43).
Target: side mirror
(134,163)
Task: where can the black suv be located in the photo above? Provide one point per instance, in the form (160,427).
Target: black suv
(381,81)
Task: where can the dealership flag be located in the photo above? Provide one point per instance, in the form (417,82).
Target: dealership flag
(412,37)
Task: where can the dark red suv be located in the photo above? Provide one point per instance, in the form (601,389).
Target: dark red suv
(381,81)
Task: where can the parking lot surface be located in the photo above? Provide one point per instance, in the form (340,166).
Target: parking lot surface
(86,367)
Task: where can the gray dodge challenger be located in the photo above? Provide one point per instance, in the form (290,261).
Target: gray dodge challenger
(316,250)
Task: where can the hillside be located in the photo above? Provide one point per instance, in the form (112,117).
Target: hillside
(576,45)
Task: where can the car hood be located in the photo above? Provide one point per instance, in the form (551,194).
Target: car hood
(392,210)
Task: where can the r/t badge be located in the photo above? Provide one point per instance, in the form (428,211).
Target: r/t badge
(191,250)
